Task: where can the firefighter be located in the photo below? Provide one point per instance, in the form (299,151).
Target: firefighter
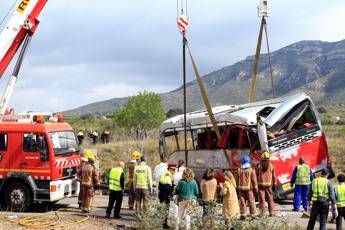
(116,187)
(129,183)
(266,182)
(247,186)
(142,184)
(340,198)
(94,137)
(166,189)
(89,182)
(84,159)
(302,177)
(80,137)
(321,193)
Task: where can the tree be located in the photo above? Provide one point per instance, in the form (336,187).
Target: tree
(141,113)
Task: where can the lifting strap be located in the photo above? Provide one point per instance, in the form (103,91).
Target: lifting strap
(263,27)
(207,102)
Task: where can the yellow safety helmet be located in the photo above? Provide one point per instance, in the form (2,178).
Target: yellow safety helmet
(265,155)
(89,155)
(136,155)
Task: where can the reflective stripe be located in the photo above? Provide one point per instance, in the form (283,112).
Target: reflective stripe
(166,178)
(340,193)
(240,184)
(114,179)
(320,188)
(141,175)
(260,176)
(303,175)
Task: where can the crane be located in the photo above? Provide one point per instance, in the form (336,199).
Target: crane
(17,33)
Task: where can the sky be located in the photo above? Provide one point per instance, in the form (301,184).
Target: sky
(86,51)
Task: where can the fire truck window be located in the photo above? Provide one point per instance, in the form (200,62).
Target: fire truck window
(3,141)
(31,143)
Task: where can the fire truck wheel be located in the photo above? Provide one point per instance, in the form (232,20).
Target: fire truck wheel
(18,197)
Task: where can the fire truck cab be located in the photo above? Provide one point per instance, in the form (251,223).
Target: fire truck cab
(38,162)
(288,127)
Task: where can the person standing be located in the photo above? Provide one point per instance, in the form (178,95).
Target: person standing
(267,180)
(321,193)
(116,187)
(80,137)
(84,160)
(179,171)
(230,200)
(161,168)
(208,186)
(247,186)
(94,137)
(340,198)
(129,183)
(302,177)
(142,184)
(89,181)
(166,189)
(186,191)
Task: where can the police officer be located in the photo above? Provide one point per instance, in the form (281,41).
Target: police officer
(142,184)
(302,177)
(116,187)
(340,198)
(321,193)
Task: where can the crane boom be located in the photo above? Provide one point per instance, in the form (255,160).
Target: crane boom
(23,22)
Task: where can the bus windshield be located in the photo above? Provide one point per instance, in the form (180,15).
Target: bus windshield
(64,142)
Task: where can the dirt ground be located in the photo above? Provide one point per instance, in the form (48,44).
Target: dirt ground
(67,209)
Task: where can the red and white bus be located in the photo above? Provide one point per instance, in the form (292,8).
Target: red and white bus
(290,129)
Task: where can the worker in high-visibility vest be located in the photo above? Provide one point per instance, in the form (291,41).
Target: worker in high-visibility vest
(267,180)
(322,191)
(142,184)
(302,177)
(89,182)
(116,187)
(340,198)
(166,189)
(247,186)
(80,137)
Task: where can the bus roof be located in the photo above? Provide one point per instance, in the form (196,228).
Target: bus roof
(245,114)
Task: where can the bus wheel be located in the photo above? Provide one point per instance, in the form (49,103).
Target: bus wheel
(18,197)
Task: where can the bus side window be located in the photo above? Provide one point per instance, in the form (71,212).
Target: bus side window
(3,141)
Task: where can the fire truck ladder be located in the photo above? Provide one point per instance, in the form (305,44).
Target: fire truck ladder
(14,77)
(263,12)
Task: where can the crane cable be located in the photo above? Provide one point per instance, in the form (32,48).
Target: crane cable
(263,27)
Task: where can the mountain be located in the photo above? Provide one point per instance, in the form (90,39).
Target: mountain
(314,67)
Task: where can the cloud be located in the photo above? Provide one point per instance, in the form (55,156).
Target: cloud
(84,51)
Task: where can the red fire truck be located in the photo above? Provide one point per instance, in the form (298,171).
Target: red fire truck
(38,159)
(288,127)
(38,162)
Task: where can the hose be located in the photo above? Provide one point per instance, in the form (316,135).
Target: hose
(52,220)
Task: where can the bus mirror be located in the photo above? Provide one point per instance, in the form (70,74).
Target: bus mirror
(44,156)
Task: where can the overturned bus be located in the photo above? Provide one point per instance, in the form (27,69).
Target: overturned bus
(288,127)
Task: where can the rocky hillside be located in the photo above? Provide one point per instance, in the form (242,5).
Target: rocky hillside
(315,67)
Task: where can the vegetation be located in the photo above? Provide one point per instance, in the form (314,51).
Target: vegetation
(142,113)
